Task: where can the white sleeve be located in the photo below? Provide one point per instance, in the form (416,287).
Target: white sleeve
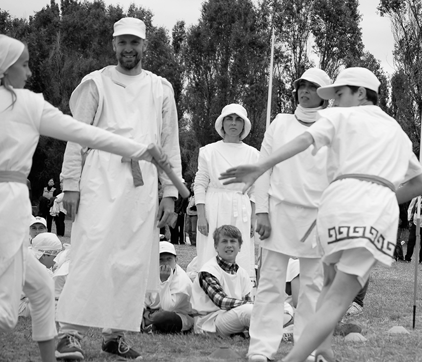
(57,125)
(322,132)
(202,178)
(170,141)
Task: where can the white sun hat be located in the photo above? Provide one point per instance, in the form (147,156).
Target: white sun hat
(46,243)
(356,76)
(233,109)
(166,247)
(130,26)
(314,75)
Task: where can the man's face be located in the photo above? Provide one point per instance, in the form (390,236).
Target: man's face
(227,248)
(168,259)
(36,229)
(129,50)
(345,98)
(307,95)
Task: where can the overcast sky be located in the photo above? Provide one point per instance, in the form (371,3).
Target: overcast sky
(377,36)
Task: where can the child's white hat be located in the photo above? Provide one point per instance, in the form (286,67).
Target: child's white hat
(38,220)
(46,243)
(166,247)
(314,75)
(357,76)
(233,109)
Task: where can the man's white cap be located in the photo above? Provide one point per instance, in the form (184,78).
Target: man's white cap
(46,242)
(314,75)
(166,247)
(233,109)
(129,26)
(38,220)
(357,76)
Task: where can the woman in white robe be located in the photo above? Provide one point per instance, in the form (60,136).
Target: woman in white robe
(218,204)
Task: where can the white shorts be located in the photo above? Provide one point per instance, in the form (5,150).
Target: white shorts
(356,261)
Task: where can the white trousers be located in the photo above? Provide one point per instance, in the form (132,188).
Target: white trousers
(266,329)
(235,320)
(23,272)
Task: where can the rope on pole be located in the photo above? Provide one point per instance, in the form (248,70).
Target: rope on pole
(416,253)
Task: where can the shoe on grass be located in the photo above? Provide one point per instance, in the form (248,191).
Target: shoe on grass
(354,309)
(119,347)
(257,358)
(69,348)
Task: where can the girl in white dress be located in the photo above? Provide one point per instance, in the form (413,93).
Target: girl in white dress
(218,204)
(24,116)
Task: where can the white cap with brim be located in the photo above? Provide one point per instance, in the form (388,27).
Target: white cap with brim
(233,109)
(166,247)
(357,76)
(46,243)
(314,75)
(38,220)
(130,26)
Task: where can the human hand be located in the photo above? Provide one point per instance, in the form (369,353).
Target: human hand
(71,203)
(165,211)
(243,173)
(263,226)
(165,272)
(203,226)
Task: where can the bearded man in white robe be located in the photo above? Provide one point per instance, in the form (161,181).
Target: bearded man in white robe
(115,234)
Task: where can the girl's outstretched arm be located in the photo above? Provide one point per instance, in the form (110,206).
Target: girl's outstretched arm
(250,173)
(409,190)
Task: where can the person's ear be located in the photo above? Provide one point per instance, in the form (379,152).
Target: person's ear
(145,45)
(113,43)
(362,94)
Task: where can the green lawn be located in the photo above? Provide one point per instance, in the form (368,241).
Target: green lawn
(389,303)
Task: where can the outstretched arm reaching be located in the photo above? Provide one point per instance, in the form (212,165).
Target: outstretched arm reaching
(250,173)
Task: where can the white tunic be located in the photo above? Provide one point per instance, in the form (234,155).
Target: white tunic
(114,237)
(174,296)
(290,191)
(353,213)
(234,285)
(224,204)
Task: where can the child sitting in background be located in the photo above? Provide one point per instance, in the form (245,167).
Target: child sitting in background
(169,310)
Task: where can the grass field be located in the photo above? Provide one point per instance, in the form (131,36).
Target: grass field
(389,302)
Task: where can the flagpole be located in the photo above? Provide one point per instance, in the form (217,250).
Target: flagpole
(418,245)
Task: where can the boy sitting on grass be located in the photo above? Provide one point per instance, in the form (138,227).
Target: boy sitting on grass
(369,157)
(221,292)
(169,310)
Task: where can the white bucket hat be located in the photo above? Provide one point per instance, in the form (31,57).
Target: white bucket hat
(166,247)
(357,76)
(314,75)
(233,109)
(130,26)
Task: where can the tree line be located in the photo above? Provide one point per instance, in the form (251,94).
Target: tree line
(223,58)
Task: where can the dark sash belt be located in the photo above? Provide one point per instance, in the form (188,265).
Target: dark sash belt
(13,176)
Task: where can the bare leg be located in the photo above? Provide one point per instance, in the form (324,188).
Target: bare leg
(339,291)
(47,350)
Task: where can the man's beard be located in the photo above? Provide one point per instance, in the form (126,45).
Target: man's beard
(129,64)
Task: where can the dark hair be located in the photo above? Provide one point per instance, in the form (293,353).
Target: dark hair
(371,95)
(323,104)
(5,82)
(227,230)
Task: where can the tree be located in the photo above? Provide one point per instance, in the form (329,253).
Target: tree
(406,20)
(337,34)
(225,57)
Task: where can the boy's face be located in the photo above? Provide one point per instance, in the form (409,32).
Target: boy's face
(36,229)
(227,248)
(307,94)
(48,260)
(345,98)
(168,259)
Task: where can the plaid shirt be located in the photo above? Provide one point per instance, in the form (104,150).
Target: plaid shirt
(211,286)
